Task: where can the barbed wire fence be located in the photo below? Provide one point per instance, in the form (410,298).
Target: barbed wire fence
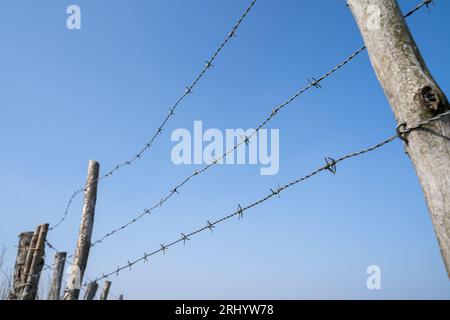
(331,164)
(312,83)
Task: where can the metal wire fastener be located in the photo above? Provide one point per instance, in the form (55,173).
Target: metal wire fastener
(402,131)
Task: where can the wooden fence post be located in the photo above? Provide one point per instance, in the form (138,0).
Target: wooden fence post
(34,274)
(28,260)
(414,97)
(121,297)
(59,263)
(24,244)
(105,292)
(84,239)
(91,291)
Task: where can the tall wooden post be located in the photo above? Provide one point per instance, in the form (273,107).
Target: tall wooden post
(84,239)
(24,244)
(414,96)
(34,274)
(105,292)
(91,291)
(55,288)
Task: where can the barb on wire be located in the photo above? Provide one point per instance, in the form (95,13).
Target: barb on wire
(314,83)
(240,212)
(184,238)
(210,226)
(425,3)
(331,165)
(273,113)
(277,191)
(188,91)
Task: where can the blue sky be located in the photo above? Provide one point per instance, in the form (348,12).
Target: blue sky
(100,92)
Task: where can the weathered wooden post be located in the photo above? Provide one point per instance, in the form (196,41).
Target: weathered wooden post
(31,285)
(84,239)
(28,260)
(414,97)
(24,244)
(91,291)
(59,263)
(105,292)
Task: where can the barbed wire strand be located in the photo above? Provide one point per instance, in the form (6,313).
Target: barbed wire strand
(189,89)
(246,140)
(276,192)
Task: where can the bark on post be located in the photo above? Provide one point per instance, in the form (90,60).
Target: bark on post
(91,291)
(24,244)
(105,292)
(55,289)
(31,286)
(84,239)
(414,96)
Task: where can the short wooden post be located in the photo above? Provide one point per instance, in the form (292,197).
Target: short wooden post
(37,264)
(24,244)
(91,291)
(105,292)
(121,297)
(84,239)
(29,259)
(59,263)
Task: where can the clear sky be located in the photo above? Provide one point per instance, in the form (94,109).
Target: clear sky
(100,92)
